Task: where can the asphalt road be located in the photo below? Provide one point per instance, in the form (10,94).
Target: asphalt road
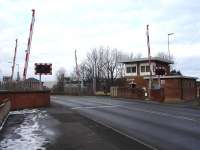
(155,125)
(60,128)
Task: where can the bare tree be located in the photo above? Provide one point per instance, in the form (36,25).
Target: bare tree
(164,56)
(111,62)
(139,55)
(104,65)
(60,76)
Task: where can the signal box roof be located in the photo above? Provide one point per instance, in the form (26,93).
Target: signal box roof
(172,77)
(153,59)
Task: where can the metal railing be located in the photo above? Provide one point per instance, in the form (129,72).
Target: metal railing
(21,86)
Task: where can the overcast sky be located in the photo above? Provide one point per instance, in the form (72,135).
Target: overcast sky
(61,26)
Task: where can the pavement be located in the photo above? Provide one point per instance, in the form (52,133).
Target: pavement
(60,127)
(154,125)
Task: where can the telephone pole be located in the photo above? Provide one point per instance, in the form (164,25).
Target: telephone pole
(14,58)
(149,57)
(94,79)
(168,44)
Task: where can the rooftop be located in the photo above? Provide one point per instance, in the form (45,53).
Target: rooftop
(172,77)
(146,59)
(32,80)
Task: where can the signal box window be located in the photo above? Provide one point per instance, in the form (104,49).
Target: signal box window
(128,69)
(131,69)
(147,69)
(142,68)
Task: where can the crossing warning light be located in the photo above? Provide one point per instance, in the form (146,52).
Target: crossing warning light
(43,68)
(160,71)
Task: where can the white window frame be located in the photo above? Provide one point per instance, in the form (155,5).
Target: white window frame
(146,73)
(131,73)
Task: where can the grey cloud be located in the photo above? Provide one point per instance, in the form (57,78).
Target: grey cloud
(189,66)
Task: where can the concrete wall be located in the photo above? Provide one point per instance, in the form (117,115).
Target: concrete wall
(113,91)
(28,99)
(124,92)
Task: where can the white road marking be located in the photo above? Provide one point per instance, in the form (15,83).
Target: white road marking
(93,107)
(164,114)
(89,101)
(122,133)
(136,109)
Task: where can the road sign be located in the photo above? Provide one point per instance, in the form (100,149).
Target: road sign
(43,68)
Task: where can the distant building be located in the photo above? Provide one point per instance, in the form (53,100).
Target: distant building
(49,84)
(32,80)
(172,86)
(140,66)
(6,78)
(33,83)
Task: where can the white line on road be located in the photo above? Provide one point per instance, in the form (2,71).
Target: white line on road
(164,114)
(93,107)
(122,133)
(136,109)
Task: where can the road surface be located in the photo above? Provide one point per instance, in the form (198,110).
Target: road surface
(155,125)
(60,128)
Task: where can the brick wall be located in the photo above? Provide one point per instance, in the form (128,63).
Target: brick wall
(189,94)
(172,89)
(157,95)
(189,89)
(179,89)
(21,100)
(140,82)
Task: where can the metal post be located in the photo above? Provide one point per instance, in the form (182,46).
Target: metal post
(40,81)
(168,47)
(159,80)
(168,44)
(14,58)
(94,80)
(149,57)
(18,77)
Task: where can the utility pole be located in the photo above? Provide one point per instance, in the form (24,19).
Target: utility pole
(18,76)
(149,57)
(14,58)
(29,45)
(94,79)
(168,44)
(77,69)
(78,72)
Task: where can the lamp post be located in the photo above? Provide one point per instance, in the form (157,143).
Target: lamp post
(11,70)
(18,77)
(168,43)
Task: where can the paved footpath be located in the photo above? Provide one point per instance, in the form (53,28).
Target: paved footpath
(60,128)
